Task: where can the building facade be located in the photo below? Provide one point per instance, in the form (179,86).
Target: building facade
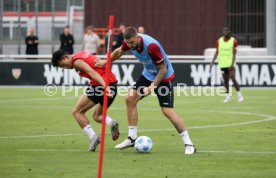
(185,27)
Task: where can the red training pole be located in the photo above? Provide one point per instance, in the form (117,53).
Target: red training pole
(100,164)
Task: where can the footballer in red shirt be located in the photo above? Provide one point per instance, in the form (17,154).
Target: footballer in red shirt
(83,63)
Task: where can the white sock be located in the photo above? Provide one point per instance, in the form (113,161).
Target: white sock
(132,132)
(108,120)
(227,95)
(239,93)
(89,131)
(185,137)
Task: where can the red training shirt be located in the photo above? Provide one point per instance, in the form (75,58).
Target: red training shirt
(90,59)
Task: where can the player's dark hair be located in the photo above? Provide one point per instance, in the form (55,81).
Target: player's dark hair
(227,26)
(90,27)
(129,32)
(58,56)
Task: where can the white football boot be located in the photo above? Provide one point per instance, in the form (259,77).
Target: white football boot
(190,149)
(129,142)
(240,98)
(227,99)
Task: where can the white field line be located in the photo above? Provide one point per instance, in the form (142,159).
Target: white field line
(40,136)
(50,150)
(123,108)
(265,116)
(37,99)
(144,101)
(70,97)
(111,108)
(237,152)
(36,106)
(267,102)
(203,151)
(119,87)
(24,107)
(258,97)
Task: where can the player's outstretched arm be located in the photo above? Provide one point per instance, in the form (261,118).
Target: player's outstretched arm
(213,60)
(162,70)
(116,54)
(234,58)
(85,68)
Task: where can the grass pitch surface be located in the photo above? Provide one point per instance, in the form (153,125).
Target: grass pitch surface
(39,138)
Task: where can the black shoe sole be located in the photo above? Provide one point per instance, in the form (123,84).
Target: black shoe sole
(125,147)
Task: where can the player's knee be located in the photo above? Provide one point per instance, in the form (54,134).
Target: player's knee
(96,117)
(233,78)
(225,78)
(166,111)
(75,112)
(130,99)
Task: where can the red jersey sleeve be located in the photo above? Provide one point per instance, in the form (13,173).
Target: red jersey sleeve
(235,44)
(124,47)
(217,44)
(155,53)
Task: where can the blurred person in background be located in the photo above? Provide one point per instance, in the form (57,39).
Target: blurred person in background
(141,29)
(91,41)
(67,40)
(106,41)
(31,42)
(226,49)
(118,39)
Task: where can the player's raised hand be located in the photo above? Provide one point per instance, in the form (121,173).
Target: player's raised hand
(148,90)
(99,63)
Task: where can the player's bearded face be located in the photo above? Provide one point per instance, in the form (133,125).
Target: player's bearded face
(132,43)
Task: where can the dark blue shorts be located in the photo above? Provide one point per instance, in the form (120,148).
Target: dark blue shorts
(96,93)
(164,91)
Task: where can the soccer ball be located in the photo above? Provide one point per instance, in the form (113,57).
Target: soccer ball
(143,144)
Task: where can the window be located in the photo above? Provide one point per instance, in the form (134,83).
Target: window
(247,21)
